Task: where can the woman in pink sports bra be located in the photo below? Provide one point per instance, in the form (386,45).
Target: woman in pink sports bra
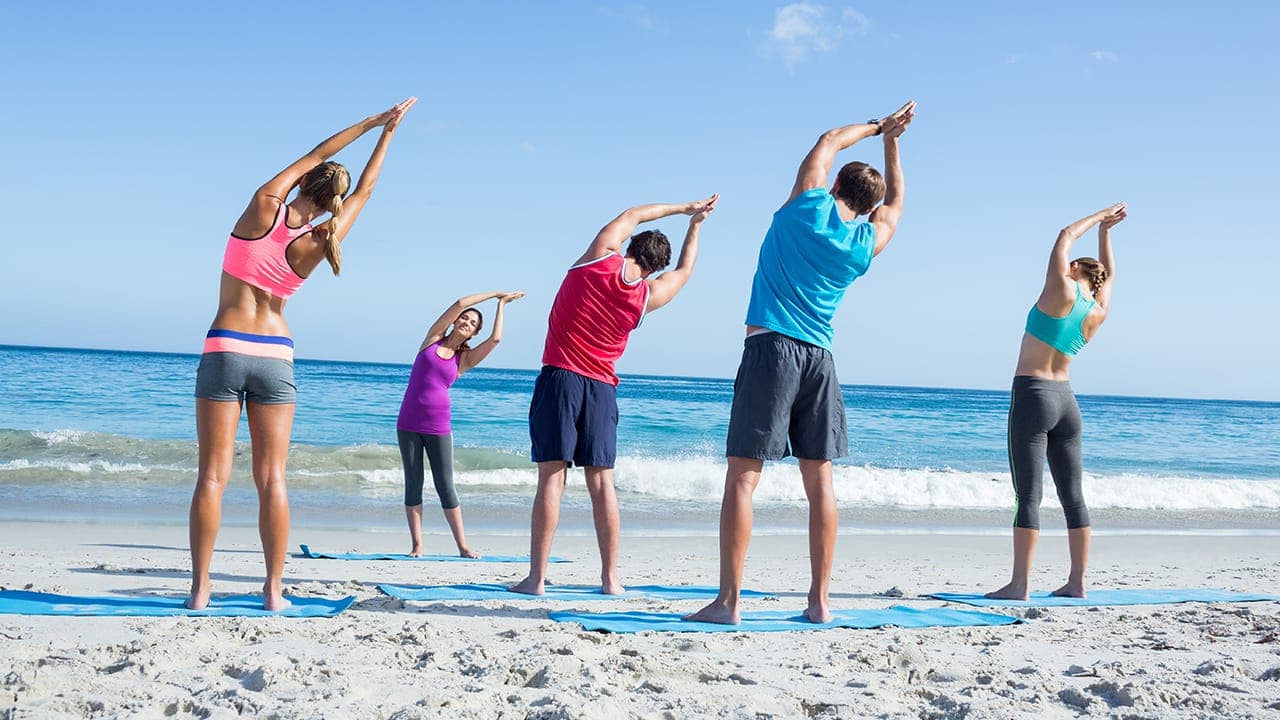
(248,352)
(424,426)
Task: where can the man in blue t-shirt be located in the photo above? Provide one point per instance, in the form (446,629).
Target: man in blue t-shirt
(786,398)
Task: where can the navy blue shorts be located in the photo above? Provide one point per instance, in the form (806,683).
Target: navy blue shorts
(573,419)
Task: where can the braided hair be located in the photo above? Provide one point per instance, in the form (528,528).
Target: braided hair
(325,185)
(1096,270)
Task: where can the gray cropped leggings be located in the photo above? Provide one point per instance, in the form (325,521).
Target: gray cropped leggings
(1044,422)
(439,451)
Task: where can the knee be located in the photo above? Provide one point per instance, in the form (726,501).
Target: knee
(1077,515)
(599,486)
(1027,521)
(269,481)
(1027,516)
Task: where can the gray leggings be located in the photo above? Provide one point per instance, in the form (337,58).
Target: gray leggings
(439,451)
(1044,421)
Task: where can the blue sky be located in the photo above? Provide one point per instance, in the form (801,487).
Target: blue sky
(135,133)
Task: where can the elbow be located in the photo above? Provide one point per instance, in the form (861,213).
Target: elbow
(828,141)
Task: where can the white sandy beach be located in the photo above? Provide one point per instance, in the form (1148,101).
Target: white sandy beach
(386,658)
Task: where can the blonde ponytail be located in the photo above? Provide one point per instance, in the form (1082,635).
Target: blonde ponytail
(332,251)
(326,185)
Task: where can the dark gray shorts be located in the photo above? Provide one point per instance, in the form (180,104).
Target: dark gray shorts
(786,401)
(233,377)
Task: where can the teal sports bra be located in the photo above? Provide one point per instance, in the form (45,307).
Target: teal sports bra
(1064,334)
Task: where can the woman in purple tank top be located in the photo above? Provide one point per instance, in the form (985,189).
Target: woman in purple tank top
(423,427)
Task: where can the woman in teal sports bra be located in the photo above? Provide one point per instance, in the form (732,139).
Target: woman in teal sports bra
(1044,419)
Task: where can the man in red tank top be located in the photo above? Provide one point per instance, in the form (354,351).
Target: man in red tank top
(573,418)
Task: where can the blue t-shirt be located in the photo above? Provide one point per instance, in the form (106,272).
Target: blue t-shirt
(809,258)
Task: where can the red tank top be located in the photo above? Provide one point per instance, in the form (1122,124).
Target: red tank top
(592,316)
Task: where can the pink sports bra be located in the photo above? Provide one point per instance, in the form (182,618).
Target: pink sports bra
(261,261)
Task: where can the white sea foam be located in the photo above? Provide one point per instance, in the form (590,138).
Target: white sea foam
(85,468)
(376,469)
(55,437)
(864,486)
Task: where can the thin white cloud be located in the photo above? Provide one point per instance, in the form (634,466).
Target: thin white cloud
(1105,56)
(803,29)
(528,148)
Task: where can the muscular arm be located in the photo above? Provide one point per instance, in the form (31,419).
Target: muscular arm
(816,166)
(611,236)
(885,218)
(664,288)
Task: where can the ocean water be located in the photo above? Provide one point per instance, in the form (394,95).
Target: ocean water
(96,436)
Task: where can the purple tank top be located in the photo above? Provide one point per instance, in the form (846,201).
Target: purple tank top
(425,408)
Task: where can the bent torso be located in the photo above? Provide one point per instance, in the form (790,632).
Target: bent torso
(249,309)
(245,308)
(1038,359)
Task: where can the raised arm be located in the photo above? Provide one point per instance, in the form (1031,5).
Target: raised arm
(816,166)
(885,217)
(663,289)
(268,198)
(1105,254)
(611,236)
(338,228)
(447,318)
(476,355)
(1060,257)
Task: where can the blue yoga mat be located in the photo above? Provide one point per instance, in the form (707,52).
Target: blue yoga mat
(553,592)
(1155,596)
(21,602)
(307,552)
(782,620)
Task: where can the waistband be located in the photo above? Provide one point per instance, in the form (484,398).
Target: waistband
(268,346)
(1028,382)
(773,337)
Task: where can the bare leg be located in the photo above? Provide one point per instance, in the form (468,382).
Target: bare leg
(823,523)
(1024,546)
(216,424)
(269,429)
(1078,542)
(604,510)
(735,535)
(546,516)
(413,515)
(453,516)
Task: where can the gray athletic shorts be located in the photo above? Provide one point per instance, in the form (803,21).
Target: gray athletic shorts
(233,377)
(786,401)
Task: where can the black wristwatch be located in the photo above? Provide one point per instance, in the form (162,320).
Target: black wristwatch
(876,122)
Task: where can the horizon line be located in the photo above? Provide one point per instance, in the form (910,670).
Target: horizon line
(62,348)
